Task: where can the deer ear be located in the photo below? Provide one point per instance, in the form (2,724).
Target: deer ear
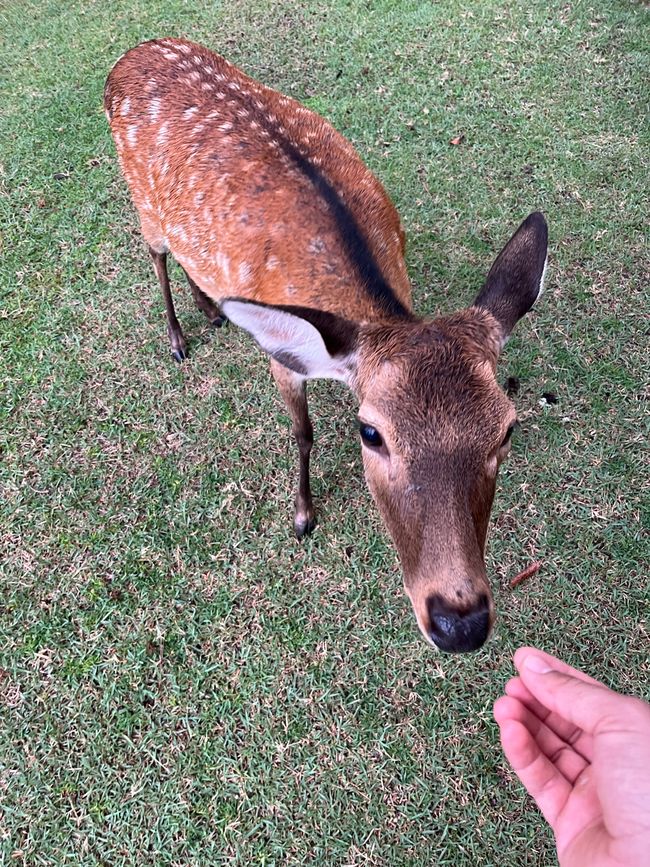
(312,343)
(516,279)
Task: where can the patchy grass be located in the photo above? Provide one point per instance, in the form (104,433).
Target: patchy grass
(182,682)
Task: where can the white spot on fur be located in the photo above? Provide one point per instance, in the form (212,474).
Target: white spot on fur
(189,112)
(223,263)
(154,109)
(161,138)
(132,134)
(152,84)
(207,86)
(245,273)
(233,85)
(225,127)
(272,262)
(170,55)
(185,49)
(126,107)
(198,198)
(179,232)
(242,112)
(198,128)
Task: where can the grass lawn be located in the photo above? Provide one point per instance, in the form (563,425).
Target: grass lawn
(182,682)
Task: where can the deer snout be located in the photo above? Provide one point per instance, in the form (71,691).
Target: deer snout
(456,631)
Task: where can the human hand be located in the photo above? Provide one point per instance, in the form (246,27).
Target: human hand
(583,753)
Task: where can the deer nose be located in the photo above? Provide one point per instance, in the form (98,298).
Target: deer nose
(458,632)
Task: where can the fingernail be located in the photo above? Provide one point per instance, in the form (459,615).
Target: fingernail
(537,664)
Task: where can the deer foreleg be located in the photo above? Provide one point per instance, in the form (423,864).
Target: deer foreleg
(294,393)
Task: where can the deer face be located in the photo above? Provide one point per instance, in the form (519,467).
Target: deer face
(434,425)
(434,428)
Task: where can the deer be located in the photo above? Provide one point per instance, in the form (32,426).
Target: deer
(282,230)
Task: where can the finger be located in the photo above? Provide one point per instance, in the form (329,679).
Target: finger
(569,762)
(517,689)
(584,703)
(567,731)
(553,662)
(540,777)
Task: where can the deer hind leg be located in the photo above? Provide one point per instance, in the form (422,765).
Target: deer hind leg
(176,339)
(206,305)
(294,393)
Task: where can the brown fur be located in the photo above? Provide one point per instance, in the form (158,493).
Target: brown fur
(210,173)
(261,199)
(433,490)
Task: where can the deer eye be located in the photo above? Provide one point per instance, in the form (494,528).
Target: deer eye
(370,435)
(509,433)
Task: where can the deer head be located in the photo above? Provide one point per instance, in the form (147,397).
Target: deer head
(434,425)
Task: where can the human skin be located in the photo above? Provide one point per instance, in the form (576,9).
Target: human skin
(583,752)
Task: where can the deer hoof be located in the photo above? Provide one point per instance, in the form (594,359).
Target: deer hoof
(218,321)
(303,526)
(179,355)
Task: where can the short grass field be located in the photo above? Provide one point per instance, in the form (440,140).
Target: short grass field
(181,681)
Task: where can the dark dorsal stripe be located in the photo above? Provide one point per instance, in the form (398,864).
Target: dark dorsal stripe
(356,245)
(379,290)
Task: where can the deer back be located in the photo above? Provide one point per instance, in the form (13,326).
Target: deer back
(255,195)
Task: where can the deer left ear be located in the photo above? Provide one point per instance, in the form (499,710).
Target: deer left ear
(312,343)
(516,279)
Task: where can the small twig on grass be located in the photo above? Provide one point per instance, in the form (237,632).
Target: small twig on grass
(528,572)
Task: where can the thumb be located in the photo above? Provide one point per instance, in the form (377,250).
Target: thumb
(589,705)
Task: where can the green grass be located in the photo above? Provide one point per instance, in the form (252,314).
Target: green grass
(181,682)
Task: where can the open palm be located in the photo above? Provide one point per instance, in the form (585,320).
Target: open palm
(581,750)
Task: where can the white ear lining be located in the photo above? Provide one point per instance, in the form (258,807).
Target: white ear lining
(541,279)
(506,338)
(289,339)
